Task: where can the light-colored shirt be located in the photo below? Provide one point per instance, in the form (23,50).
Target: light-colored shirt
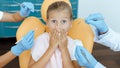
(41,45)
(1,15)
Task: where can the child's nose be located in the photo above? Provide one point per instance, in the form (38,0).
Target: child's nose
(58,27)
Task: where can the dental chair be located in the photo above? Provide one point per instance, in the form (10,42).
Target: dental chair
(79,30)
(30,23)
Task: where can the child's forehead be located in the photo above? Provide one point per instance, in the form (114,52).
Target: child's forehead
(61,14)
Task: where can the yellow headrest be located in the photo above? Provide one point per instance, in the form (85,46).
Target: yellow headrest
(30,23)
(82,31)
(45,6)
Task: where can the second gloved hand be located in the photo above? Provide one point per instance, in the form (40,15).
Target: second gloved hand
(24,44)
(97,20)
(26,8)
(84,58)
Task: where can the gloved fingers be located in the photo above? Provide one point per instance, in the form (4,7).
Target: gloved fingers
(95,17)
(79,60)
(29,46)
(80,57)
(28,40)
(82,49)
(31,37)
(85,52)
(88,21)
(88,56)
(24,7)
(86,59)
(26,37)
(31,41)
(28,5)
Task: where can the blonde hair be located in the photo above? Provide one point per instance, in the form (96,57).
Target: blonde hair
(60,6)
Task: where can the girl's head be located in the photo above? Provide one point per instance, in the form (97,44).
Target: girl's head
(59,16)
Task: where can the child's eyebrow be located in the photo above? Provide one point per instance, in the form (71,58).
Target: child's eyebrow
(51,17)
(65,17)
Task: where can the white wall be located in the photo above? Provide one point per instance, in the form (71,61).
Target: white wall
(110,9)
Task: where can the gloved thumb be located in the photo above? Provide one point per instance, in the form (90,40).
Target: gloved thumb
(29,5)
(88,21)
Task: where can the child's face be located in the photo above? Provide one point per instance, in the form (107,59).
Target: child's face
(59,20)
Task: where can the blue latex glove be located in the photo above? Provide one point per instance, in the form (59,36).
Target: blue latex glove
(97,20)
(84,58)
(26,8)
(24,44)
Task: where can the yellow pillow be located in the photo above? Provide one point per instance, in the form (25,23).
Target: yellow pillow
(31,23)
(82,31)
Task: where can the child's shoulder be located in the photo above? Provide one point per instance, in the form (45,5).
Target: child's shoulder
(71,39)
(74,42)
(44,35)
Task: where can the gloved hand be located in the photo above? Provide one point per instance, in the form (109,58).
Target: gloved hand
(26,8)
(97,20)
(24,44)
(84,58)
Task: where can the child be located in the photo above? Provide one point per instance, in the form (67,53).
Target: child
(54,49)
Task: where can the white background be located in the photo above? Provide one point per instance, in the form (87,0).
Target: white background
(110,9)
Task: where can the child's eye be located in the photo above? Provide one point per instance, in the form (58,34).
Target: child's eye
(64,21)
(53,21)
